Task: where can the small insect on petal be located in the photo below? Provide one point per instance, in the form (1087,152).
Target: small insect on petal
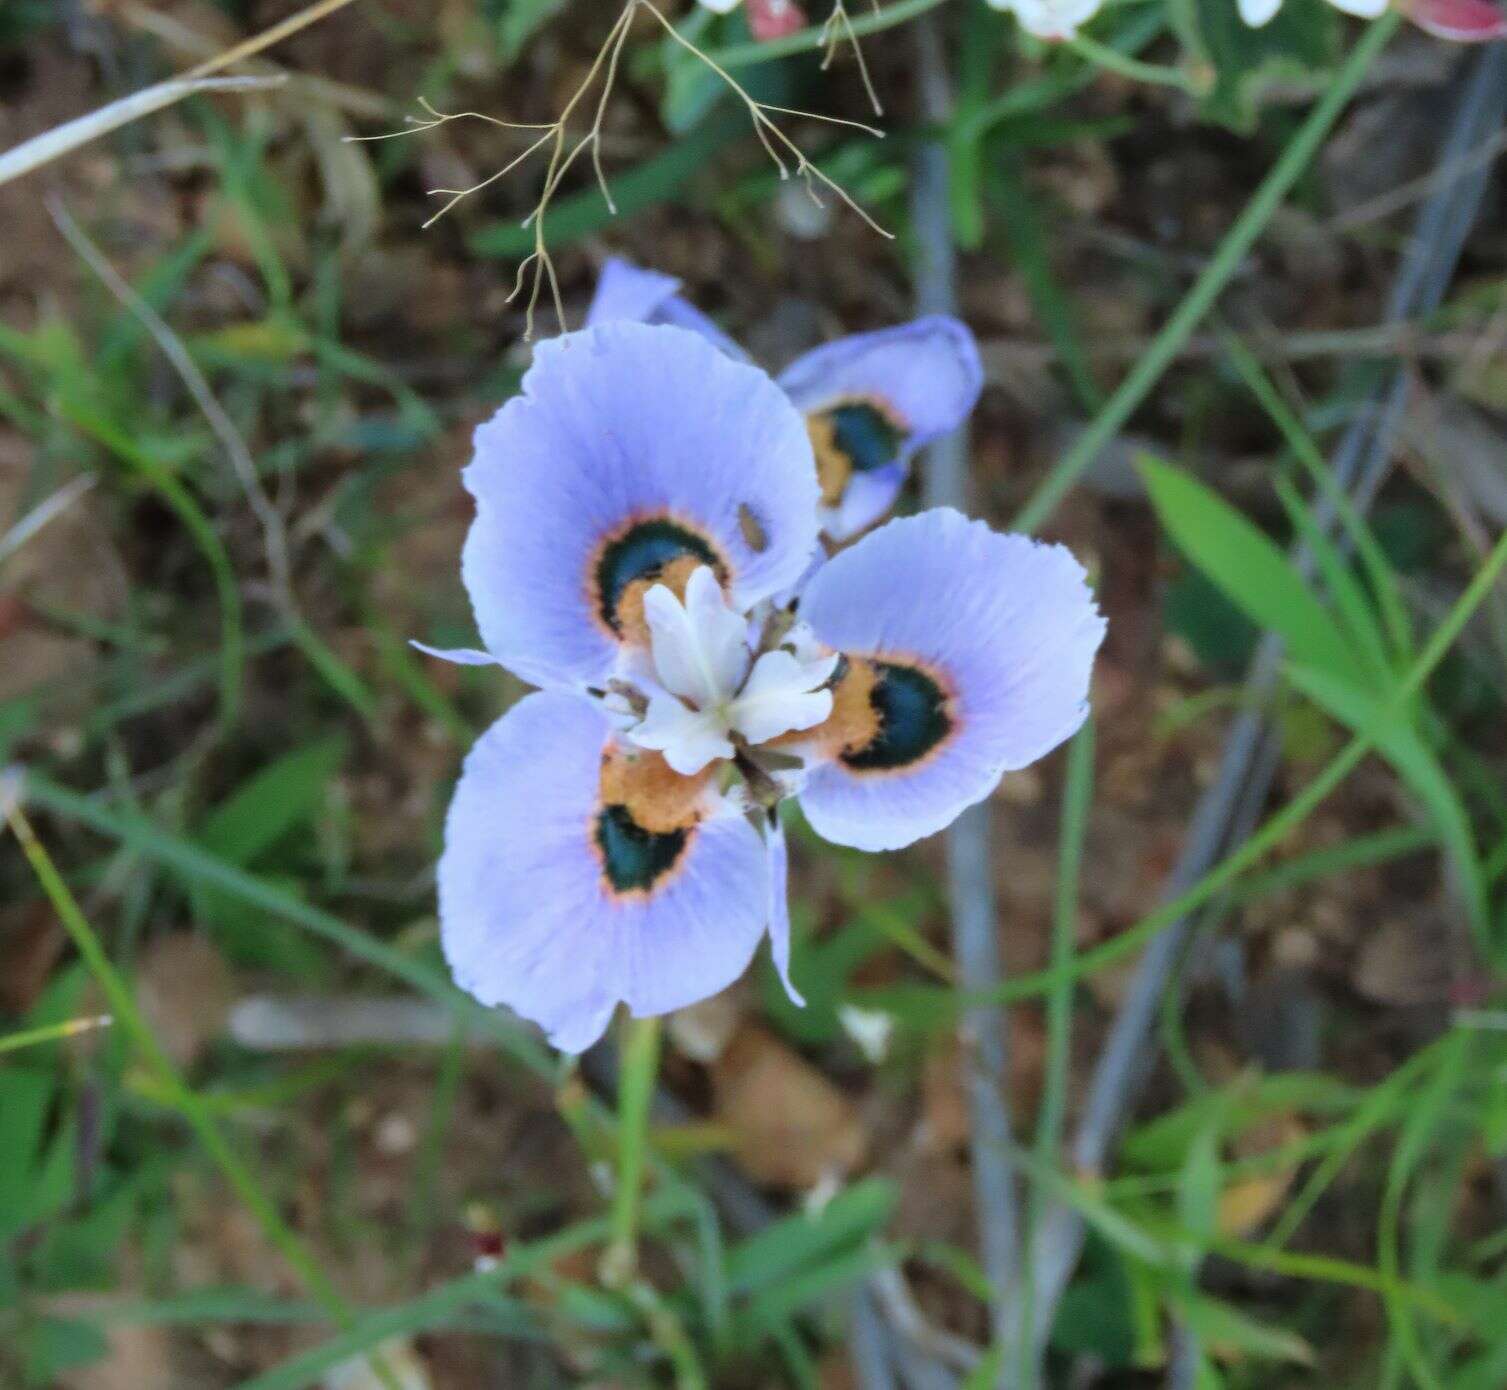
(752,528)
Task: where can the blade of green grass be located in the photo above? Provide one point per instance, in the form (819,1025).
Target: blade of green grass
(144,836)
(1365,851)
(1270,834)
(201,531)
(1307,452)
(1226,261)
(1077,799)
(438,1305)
(640,1069)
(52,1032)
(236,1172)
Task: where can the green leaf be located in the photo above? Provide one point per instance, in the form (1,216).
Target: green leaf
(1402,745)
(802,1241)
(1227,1329)
(520,20)
(1198,1191)
(691,88)
(1245,63)
(25,1098)
(1250,568)
(1096,1315)
(1163,1144)
(284,794)
(56,1345)
(803,1290)
(1346,592)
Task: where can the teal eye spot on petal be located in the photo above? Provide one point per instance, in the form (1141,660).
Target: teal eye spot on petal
(914,719)
(643,550)
(866,435)
(635,859)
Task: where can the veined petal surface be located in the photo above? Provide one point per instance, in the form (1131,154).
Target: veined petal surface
(873,399)
(633,454)
(969,655)
(555,902)
(628,291)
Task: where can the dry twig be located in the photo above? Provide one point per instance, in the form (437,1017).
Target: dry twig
(555,136)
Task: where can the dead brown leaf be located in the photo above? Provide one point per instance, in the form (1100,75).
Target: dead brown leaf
(791,1126)
(185,990)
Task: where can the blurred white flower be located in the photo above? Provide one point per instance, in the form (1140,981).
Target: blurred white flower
(1051,19)
(869,1029)
(1259,12)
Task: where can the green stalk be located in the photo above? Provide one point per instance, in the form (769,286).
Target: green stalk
(1077,800)
(1227,259)
(1279,826)
(52,1032)
(639,1069)
(123,1004)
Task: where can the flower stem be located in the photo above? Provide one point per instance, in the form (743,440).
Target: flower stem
(640,1067)
(53,1032)
(1101,55)
(1227,259)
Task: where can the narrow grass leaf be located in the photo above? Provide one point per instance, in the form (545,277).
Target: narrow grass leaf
(1249,567)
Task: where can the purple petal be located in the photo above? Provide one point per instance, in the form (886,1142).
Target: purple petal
(779,910)
(867,497)
(529,915)
(985,644)
(927,371)
(459,656)
(631,446)
(919,380)
(627,291)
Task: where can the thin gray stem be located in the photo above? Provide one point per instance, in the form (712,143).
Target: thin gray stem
(872,1368)
(1360,465)
(970,876)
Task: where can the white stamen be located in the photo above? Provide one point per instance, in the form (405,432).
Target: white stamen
(782,694)
(700,650)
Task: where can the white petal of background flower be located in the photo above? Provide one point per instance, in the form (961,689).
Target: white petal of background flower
(1055,19)
(1259,12)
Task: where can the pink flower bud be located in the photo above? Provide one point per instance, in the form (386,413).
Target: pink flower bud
(773,19)
(1464,21)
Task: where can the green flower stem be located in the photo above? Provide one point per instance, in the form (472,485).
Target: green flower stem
(1227,259)
(640,1068)
(52,1032)
(1101,55)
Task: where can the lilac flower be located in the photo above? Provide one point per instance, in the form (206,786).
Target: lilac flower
(640,508)
(870,400)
